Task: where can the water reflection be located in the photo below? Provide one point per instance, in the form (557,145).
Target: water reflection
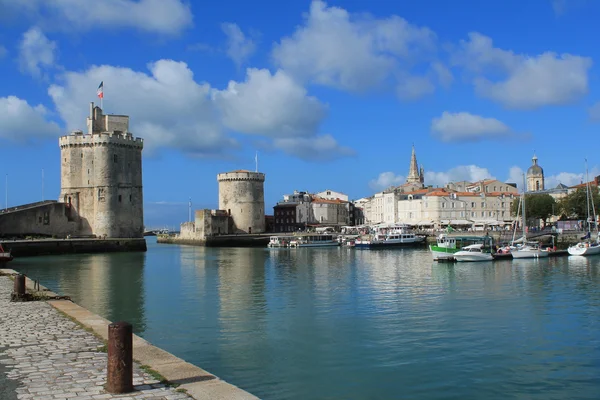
(343,323)
(110,285)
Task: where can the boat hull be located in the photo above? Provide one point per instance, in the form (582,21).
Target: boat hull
(579,250)
(442,253)
(466,256)
(386,245)
(333,244)
(529,254)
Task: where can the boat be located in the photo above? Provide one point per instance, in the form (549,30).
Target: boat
(314,240)
(385,237)
(280,241)
(5,256)
(587,247)
(446,246)
(527,249)
(474,252)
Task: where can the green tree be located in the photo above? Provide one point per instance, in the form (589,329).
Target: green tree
(537,206)
(575,205)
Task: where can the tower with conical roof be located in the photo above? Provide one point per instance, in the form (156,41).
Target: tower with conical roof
(535,176)
(414,175)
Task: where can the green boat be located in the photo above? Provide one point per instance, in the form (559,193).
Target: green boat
(447,245)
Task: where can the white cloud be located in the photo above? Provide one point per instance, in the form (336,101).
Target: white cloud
(355,52)
(20,121)
(272,105)
(527,82)
(594,112)
(318,148)
(168,108)
(36,51)
(464,126)
(158,16)
(515,175)
(471,173)
(414,87)
(239,47)
(386,180)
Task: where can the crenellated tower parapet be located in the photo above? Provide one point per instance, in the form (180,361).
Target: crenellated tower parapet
(101,176)
(242,196)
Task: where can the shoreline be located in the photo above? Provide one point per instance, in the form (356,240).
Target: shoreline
(195,381)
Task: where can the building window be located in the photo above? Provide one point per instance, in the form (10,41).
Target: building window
(503,213)
(130,200)
(483,213)
(452,204)
(115,157)
(483,204)
(473,204)
(119,198)
(473,214)
(537,185)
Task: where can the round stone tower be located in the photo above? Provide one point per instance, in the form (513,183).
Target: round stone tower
(101,177)
(535,176)
(242,196)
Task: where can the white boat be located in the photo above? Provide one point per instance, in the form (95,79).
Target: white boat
(5,256)
(473,252)
(314,240)
(586,247)
(527,249)
(389,237)
(280,241)
(446,246)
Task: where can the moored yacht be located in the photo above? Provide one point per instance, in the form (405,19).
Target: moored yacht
(389,237)
(474,252)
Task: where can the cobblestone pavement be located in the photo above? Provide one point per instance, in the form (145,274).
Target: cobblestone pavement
(45,355)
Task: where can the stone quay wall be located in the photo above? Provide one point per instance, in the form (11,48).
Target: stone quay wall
(54,350)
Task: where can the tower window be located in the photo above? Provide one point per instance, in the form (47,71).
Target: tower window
(130,199)
(115,157)
(81,155)
(119,198)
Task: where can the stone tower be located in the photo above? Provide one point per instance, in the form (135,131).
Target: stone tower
(414,174)
(535,176)
(242,196)
(101,177)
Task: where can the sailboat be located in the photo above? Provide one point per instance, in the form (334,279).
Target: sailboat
(527,249)
(586,247)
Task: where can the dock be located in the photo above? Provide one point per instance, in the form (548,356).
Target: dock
(41,247)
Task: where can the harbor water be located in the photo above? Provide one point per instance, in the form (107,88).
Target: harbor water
(340,323)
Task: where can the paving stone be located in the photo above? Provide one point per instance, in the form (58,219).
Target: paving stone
(52,358)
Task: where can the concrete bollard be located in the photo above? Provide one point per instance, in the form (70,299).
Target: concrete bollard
(19,287)
(120,358)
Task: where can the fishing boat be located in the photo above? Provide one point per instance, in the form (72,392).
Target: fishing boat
(474,252)
(527,249)
(385,237)
(587,247)
(446,246)
(5,256)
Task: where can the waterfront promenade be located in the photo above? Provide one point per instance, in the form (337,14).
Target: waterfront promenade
(44,354)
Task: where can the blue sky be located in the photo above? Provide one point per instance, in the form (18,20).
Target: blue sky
(331,94)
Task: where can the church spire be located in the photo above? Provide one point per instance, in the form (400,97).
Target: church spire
(413,172)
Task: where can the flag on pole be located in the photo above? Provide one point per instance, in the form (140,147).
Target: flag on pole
(100,91)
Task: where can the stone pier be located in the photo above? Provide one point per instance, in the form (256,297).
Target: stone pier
(48,354)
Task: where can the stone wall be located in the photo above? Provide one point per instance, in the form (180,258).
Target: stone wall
(241,195)
(50,219)
(101,177)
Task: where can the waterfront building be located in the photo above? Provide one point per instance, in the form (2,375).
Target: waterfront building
(101,177)
(241,208)
(300,210)
(242,195)
(535,176)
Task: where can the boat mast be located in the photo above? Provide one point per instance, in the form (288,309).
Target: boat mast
(524,217)
(516,219)
(590,198)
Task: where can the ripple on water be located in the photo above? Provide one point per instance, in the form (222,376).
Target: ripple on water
(342,323)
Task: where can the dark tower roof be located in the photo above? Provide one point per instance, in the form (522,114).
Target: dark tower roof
(535,169)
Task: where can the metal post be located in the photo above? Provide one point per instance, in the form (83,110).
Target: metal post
(120,358)
(19,287)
